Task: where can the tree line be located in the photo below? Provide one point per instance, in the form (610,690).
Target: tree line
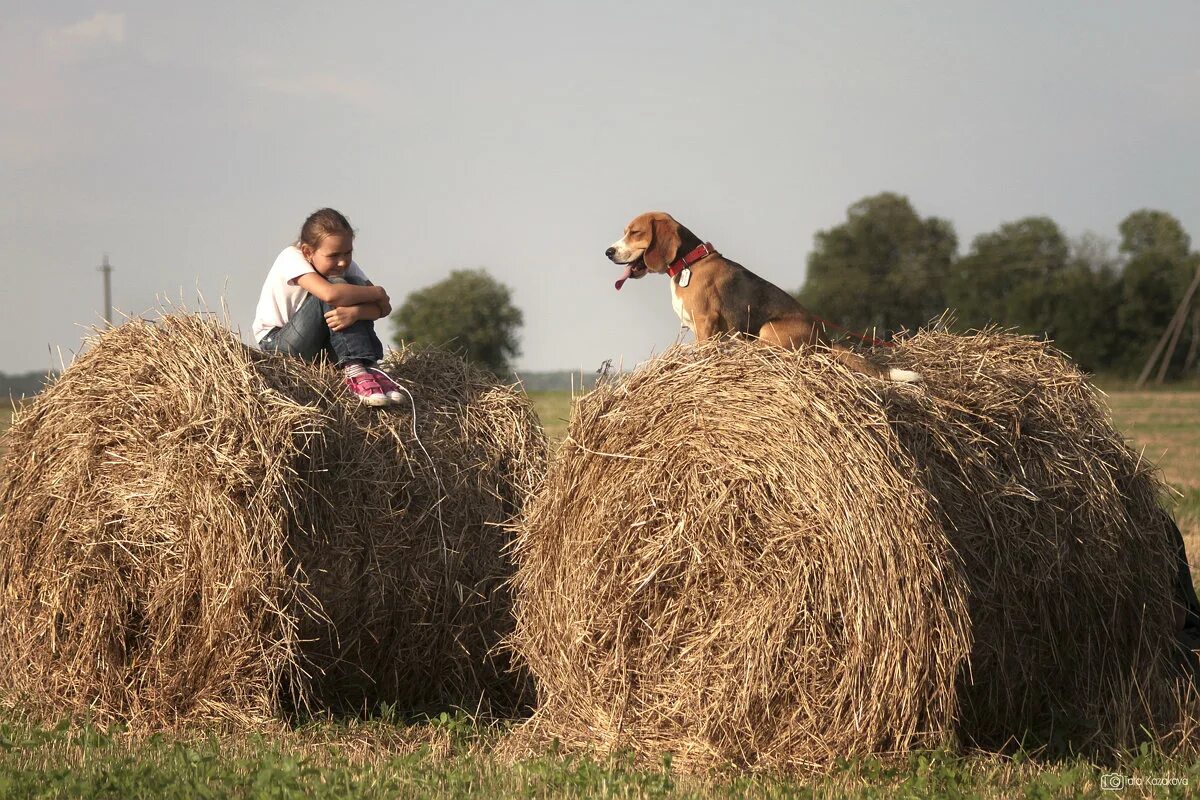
(14,387)
(1104,303)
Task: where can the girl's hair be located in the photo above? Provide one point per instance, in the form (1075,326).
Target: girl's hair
(321,223)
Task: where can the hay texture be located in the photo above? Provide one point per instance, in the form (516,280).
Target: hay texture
(1066,551)
(751,557)
(192,529)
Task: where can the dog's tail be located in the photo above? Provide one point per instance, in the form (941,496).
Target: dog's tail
(904,376)
(865,365)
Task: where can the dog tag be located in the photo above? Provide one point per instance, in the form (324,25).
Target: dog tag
(684,277)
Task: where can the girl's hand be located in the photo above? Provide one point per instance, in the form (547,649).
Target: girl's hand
(338,319)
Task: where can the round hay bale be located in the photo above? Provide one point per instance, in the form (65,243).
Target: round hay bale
(1065,546)
(728,561)
(749,556)
(190,528)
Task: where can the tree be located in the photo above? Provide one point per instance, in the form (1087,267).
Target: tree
(1012,276)
(23,385)
(1153,282)
(1089,293)
(1028,276)
(885,268)
(469,312)
(1148,231)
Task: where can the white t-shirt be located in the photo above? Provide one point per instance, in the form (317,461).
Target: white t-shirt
(281,296)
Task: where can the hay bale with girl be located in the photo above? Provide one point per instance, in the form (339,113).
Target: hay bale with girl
(193,529)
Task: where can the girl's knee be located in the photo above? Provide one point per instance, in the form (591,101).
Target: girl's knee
(347,279)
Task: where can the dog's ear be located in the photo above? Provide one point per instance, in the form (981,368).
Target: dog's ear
(664,245)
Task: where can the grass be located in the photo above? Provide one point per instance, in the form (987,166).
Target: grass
(554,410)
(452,756)
(1166,425)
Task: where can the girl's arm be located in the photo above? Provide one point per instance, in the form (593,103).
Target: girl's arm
(371,311)
(340,294)
(342,317)
(377,310)
(367,311)
(385,308)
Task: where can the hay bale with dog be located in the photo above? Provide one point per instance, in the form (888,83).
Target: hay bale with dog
(192,529)
(760,558)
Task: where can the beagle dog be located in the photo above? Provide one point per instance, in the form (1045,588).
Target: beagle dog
(713,295)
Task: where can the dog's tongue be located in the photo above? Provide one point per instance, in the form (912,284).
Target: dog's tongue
(624,277)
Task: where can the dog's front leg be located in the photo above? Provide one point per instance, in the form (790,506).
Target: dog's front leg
(706,326)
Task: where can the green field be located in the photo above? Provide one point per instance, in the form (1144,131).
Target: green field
(451,760)
(452,757)
(554,409)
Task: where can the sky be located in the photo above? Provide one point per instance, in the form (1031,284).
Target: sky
(190,141)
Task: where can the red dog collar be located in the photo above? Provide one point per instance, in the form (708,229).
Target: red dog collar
(679,264)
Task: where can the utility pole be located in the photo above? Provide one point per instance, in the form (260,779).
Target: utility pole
(107,270)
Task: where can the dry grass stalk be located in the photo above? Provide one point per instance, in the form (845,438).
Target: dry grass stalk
(761,558)
(192,529)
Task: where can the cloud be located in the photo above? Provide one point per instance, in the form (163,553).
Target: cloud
(79,41)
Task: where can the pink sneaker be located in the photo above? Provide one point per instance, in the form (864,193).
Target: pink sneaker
(388,386)
(367,389)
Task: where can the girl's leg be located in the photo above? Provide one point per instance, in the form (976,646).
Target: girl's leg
(356,343)
(355,349)
(358,350)
(306,334)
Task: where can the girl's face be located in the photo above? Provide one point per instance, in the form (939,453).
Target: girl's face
(331,257)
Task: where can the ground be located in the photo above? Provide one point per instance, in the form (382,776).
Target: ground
(452,756)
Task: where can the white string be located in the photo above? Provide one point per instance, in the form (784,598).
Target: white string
(432,464)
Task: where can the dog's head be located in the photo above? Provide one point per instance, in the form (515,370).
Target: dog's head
(650,244)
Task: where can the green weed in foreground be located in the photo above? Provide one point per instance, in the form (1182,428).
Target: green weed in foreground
(451,758)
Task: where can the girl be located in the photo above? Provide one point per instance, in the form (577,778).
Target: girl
(316,300)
